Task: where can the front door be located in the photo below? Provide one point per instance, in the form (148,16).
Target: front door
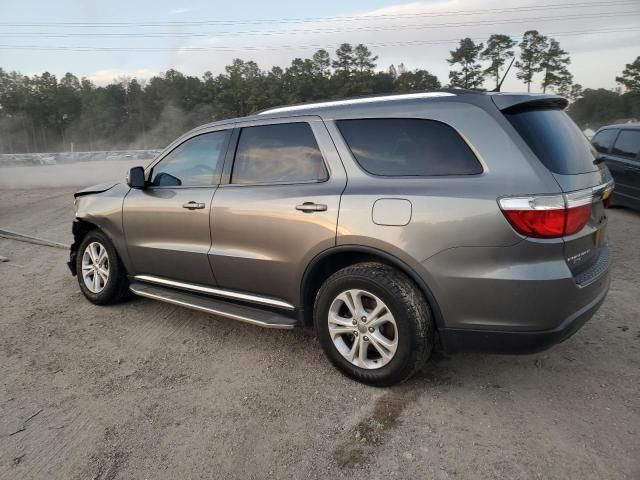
(624,163)
(166,224)
(277,208)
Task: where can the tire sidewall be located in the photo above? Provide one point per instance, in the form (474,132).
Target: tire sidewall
(407,330)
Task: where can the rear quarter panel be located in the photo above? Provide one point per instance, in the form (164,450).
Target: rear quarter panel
(447,211)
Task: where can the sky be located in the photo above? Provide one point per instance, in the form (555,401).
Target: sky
(104,41)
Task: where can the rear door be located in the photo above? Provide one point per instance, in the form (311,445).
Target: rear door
(624,158)
(166,224)
(603,143)
(277,206)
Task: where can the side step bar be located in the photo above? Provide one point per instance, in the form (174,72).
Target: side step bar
(254,316)
(216,292)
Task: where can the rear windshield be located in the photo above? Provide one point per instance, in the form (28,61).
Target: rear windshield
(555,139)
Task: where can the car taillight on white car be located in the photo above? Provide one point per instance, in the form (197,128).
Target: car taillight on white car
(548,216)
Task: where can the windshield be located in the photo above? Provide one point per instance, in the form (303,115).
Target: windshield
(555,139)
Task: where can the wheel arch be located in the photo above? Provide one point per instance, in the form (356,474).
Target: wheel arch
(79,229)
(333,259)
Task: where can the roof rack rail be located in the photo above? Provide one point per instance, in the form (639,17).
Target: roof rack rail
(359,100)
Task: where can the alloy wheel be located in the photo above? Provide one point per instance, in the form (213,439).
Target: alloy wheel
(363,329)
(95,267)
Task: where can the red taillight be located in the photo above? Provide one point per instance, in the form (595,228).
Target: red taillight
(537,223)
(577,218)
(548,216)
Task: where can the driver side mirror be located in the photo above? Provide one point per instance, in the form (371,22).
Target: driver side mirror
(135,178)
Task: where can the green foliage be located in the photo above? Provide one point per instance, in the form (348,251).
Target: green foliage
(321,63)
(416,80)
(344,62)
(631,76)
(596,108)
(498,50)
(572,91)
(532,50)
(363,59)
(43,113)
(554,67)
(466,55)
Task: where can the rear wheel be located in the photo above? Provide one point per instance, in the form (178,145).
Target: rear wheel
(101,275)
(373,323)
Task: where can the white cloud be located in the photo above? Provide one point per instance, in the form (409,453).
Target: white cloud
(109,75)
(180,11)
(388,37)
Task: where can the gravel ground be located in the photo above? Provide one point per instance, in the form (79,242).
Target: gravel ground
(146,390)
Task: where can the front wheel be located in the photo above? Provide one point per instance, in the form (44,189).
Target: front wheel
(374,323)
(101,275)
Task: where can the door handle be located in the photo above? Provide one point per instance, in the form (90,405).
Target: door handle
(193,205)
(309,207)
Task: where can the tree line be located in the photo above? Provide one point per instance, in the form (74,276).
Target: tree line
(538,54)
(44,113)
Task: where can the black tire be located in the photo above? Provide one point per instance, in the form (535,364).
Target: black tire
(116,288)
(408,306)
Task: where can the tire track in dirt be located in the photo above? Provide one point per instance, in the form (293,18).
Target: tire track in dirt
(48,446)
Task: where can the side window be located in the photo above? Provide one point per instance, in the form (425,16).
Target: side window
(603,141)
(627,144)
(408,147)
(280,153)
(195,163)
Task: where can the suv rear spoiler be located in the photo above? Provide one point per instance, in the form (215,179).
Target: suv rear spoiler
(510,101)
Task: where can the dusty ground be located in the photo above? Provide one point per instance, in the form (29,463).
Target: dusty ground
(145,390)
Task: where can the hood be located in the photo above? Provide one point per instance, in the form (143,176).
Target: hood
(103,187)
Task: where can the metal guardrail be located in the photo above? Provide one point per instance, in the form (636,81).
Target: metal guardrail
(56,158)
(31,239)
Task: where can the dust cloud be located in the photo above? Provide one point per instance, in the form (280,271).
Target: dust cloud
(79,174)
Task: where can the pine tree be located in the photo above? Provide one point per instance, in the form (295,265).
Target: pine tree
(554,67)
(321,62)
(345,59)
(498,50)
(363,59)
(532,49)
(466,55)
(631,76)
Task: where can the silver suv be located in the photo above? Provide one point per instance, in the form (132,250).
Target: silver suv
(472,221)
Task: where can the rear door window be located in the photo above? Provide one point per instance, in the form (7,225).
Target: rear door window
(603,141)
(627,144)
(408,147)
(555,139)
(280,153)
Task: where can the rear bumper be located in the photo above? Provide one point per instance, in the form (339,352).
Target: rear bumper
(455,340)
(518,299)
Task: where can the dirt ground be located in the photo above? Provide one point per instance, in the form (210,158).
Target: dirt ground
(146,390)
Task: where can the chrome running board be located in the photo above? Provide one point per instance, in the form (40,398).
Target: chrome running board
(242,313)
(218,292)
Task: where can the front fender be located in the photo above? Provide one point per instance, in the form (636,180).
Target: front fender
(101,210)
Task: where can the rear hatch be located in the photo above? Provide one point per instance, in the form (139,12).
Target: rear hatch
(564,150)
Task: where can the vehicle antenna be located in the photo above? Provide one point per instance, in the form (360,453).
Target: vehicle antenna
(497,89)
